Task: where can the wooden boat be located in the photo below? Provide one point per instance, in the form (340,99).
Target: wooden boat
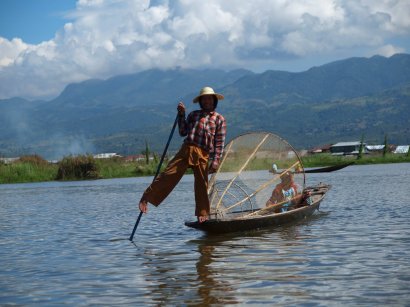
(263,218)
(328,169)
(245,195)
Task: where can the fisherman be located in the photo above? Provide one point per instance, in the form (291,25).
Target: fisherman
(285,192)
(205,132)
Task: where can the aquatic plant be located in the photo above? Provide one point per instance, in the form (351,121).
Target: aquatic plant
(146,169)
(27,169)
(33,159)
(77,167)
(115,167)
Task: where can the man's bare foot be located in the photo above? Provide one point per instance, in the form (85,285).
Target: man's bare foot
(143,205)
(202,218)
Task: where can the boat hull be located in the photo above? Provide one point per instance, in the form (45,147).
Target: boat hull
(218,226)
(327,169)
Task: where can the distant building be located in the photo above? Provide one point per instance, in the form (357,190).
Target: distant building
(401,149)
(375,148)
(320,149)
(9,160)
(106,155)
(347,148)
(133,158)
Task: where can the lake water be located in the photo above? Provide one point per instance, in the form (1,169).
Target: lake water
(67,244)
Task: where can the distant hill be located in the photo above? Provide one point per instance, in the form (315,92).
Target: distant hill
(307,124)
(151,87)
(337,101)
(344,79)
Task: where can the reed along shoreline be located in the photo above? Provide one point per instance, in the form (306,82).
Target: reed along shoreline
(85,167)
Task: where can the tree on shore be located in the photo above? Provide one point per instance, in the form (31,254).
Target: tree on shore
(146,152)
(360,154)
(385,145)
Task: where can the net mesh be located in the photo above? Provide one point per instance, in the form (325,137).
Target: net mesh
(252,166)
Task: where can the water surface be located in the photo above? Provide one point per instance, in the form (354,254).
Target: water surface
(67,243)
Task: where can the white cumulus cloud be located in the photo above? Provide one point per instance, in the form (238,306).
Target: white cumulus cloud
(10,51)
(389,50)
(111,37)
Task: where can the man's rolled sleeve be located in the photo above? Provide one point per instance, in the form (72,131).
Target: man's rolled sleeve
(182,125)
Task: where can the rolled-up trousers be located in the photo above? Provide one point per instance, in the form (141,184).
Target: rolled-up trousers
(190,156)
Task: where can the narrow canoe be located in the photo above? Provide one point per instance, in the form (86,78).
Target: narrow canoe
(328,169)
(265,218)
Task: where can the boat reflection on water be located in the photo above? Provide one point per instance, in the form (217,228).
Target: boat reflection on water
(267,265)
(260,263)
(186,275)
(211,290)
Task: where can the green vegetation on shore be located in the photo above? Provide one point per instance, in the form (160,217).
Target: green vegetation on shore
(36,169)
(28,169)
(79,167)
(319,160)
(83,167)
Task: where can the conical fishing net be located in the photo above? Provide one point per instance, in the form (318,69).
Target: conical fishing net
(252,166)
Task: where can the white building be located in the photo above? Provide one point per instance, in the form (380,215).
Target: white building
(347,148)
(401,149)
(9,160)
(106,155)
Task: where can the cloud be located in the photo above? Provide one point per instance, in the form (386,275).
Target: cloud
(388,50)
(10,51)
(108,38)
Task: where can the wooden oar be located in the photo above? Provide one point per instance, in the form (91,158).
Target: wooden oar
(156,174)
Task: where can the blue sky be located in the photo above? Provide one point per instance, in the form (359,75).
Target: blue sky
(47,44)
(33,21)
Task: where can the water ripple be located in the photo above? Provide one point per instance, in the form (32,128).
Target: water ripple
(67,243)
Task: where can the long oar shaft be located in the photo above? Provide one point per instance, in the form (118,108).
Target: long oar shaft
(158,170)
(166,147)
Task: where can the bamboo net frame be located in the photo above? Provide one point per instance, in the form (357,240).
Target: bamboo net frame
(239,182)
(269,208)
(213,178)
(263,186)
(240,171)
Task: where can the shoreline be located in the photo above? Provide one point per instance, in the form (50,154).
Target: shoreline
(35,171)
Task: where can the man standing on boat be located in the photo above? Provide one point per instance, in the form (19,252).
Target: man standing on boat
(205,132)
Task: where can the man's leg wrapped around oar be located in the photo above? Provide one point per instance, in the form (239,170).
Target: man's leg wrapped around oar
(188,156)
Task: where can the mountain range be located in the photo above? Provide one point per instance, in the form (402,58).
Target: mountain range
(339,101)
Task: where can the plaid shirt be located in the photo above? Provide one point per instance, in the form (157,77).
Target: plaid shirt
(206,130)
